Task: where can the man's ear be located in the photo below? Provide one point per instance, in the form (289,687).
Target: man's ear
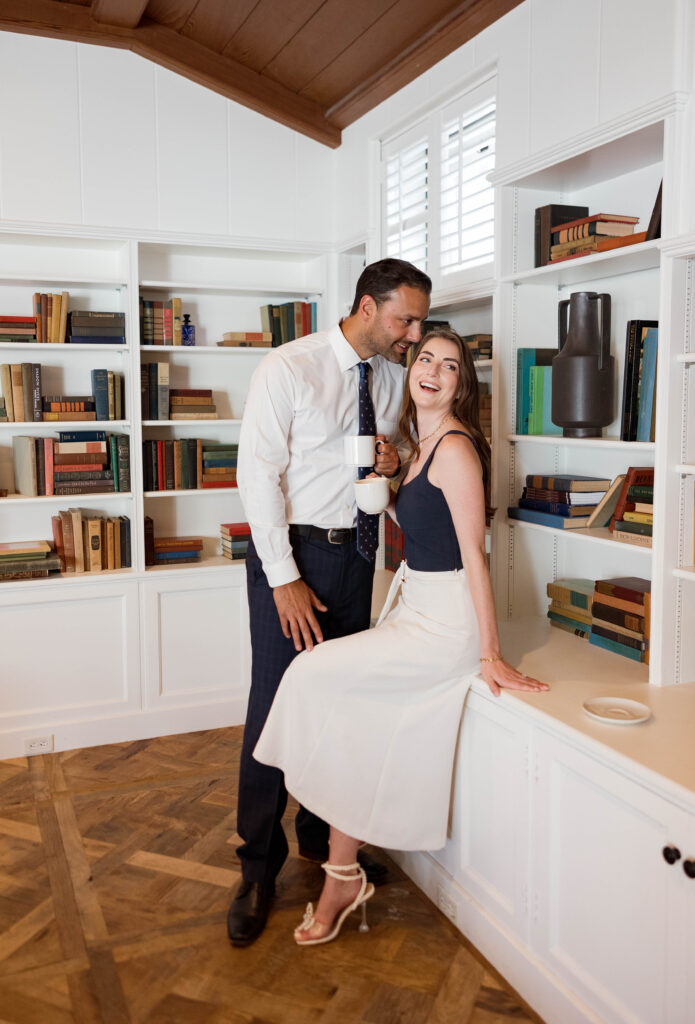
(367,308)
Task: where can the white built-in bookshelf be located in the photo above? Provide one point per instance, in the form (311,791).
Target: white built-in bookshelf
(643,282)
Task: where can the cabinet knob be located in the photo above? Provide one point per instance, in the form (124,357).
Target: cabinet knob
(689,867)
(672,854)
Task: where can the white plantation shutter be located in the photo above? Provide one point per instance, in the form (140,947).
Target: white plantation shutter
(437,204)
(406,198)
(466,219)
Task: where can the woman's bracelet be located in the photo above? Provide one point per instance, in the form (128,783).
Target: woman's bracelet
(497,657)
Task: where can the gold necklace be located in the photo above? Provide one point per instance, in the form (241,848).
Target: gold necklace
(449,416)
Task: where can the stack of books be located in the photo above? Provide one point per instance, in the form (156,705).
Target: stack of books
(87,327)
(191,404)
(563,502)
(246,339)
(633,519)
(620,616)
(235,540)
(50,317)
(86,541)
(594,233)
(479,345)
(219,465)
(170,550)
(24,402)
(18,328)
(83,462)
(27,560)
(160,321)
(288,320)
(637,417)
(21,391)
(570,605)
(485,409)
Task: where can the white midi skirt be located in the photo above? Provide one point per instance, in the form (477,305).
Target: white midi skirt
(365,727)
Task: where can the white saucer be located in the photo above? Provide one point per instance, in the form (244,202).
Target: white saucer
(617,710)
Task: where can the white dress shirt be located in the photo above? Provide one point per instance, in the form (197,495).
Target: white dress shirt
(302,401)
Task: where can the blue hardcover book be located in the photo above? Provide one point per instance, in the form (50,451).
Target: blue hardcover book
(170,556)
(314,327)
(100,390)
(81,435)
(647,385)
(616,648)
(556,507)
(529,515)
(548,428)
(525,359)
(222,463)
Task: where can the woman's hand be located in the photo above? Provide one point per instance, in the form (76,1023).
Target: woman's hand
(499,675)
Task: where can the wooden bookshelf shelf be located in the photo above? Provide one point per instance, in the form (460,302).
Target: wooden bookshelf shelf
(57,281)
(43,346)
(67,499)
(582,442)
(213,563)
(686,572)
(686,357)
(612,263)
(257,289)
(22,426)
(686,469)
(198,491)
(601,535)
(193,350)
(188,423)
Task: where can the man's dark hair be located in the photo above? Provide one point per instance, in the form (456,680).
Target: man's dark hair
(382,278)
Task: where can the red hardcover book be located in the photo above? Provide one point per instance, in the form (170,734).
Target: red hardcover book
(209,484)
(236,529)
(626,588)
(48,463)
(617,218)
(604,245)
(161,466)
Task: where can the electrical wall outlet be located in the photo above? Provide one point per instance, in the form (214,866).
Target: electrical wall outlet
(39,745)
(446,903)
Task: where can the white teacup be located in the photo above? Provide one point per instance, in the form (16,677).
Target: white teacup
(359,449)
(372,494)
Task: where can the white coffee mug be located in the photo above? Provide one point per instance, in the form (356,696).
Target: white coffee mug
(359,449)
(372,494)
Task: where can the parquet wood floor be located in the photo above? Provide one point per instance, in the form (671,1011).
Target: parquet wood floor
(116,865)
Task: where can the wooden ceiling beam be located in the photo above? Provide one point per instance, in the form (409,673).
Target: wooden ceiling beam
(125,13)
(448,34)
(165,47)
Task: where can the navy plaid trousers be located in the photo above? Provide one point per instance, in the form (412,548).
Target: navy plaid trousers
(342,580)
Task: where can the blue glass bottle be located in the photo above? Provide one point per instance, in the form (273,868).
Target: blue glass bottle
(187,330)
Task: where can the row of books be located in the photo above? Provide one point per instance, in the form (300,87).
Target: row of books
(188,464)
(534,385)
(86,541)
(89,462)
(170,550)
(235,539)
(159,401)
(288,320)
(613,613)
(479,345)
(27,560)
(161,321)
(625,505)
(246,339)
(22,400)
(91,327)
(53,324)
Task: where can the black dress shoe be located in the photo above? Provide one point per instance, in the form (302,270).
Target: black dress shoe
(249,912)
(375,870)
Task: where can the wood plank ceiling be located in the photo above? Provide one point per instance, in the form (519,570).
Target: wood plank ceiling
(313,65)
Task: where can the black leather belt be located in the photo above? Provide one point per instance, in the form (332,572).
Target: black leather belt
(336,535)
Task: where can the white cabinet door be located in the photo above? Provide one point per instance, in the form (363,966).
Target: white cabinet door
(487,853)
(196,640)
(606,915)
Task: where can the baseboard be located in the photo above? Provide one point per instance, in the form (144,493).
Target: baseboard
(518,965)
(135,725)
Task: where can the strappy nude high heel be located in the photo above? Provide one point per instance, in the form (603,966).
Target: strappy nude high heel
(366,892)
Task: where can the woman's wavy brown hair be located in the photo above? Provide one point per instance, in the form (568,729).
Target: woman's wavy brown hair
(465,407)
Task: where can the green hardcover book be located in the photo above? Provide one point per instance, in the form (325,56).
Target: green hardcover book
(535,393)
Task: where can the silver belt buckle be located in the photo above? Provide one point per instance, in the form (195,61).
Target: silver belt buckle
(333,530)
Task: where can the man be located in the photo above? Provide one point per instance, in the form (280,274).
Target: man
(307,581)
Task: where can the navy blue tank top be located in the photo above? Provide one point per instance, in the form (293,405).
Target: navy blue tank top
(430,543)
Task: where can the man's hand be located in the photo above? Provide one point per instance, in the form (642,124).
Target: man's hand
(295,603)
(387,458)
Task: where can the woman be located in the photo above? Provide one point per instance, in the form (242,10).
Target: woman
(365,727)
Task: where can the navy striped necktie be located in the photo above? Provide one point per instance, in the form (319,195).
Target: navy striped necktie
(367,525)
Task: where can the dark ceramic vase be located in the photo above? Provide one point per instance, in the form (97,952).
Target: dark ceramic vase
(583,369)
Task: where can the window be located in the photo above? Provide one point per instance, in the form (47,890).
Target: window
(437,204)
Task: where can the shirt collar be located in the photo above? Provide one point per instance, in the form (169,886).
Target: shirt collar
(344,352)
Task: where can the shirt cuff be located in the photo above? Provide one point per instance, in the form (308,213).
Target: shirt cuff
(282,572)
